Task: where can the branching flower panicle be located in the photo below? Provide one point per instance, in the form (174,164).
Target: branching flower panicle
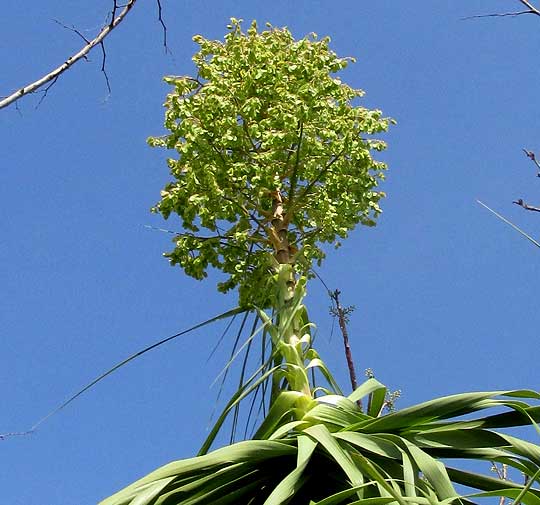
(272,157)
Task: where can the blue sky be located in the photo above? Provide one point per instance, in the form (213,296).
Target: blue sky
(445,294)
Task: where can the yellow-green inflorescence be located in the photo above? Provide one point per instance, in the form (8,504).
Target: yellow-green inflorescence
(272,159)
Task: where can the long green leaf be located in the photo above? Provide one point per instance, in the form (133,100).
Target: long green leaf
(371,443)
(485,483)
(287,488)
(369,386)
(224,315)
(252,384)
(321,434)
(252,451)
(438,409)
(502,218)
(526,488)
(279,411)
(434,471)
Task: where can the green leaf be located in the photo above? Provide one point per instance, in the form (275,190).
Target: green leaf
(320,434)
(281,410)
(287,488)
(370,386)
(502,218)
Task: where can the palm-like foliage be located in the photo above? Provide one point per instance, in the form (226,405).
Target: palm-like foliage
(313,449)
(288,164)
(336,454)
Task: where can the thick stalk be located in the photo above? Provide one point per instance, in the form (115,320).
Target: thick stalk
(279,230)
(290,324)
(288,306)
(342,316)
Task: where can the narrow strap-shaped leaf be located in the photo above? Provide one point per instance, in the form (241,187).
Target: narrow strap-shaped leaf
(224,315)
(410,475)
(437,409)
(434,471)
(371,443)
(239,350)
(462,439)
(523,448)
(513,494)
(502,218)
(147,496)
(376,402)
(284,430)
(319,364)
(331,415)
(354,464)
(368,387)
(148,491)
(483,482)
(280,410)
(250,450)
(321,434)
(510,419)
(525,490)
(226,489)
(341,496)
(286,489)
(252,384)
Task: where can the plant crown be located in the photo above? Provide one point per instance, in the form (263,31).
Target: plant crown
(273,158)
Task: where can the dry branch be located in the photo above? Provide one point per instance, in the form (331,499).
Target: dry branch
(530,10)
(532,157)
(521,203)
(52,76)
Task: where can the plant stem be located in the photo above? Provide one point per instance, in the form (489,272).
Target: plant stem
(342,319)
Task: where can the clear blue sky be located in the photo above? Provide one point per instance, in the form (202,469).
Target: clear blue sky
(446,297)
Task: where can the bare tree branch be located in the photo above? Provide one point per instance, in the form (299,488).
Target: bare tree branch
(103,55)
(3,436)
(497,15)
(54,74)
(160,19)
(521,203)
(532,157)
(530,10)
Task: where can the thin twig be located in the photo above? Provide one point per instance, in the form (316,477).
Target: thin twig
(72,29)
(160,19)
(532,157)
(497,15)
(54,74)
(3,436)
(104,57)
(502,474)
(46,91)
(526,3)
(532,9)
(521,203)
